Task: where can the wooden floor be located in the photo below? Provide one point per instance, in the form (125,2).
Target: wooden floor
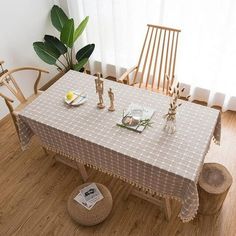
(34,190)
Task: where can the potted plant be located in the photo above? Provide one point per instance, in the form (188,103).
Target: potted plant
(60,51)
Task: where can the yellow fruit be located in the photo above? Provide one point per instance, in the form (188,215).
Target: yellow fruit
(69,95)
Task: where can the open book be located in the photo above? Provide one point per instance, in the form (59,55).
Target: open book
(89,196)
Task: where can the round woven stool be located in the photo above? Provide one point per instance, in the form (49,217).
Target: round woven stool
(213,186)
(97,214)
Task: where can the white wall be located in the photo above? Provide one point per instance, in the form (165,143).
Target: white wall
(22,23)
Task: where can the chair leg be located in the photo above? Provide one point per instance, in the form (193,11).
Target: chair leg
(167,208)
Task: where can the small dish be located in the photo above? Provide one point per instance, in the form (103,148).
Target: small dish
(132,118)
(78,99)
(130,121)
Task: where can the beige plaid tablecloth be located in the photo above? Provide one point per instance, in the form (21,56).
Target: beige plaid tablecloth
(166,164)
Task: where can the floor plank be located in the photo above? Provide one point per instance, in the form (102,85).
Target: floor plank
(34,190)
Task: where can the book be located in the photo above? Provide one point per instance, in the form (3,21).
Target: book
(91,193)
(89,196)
(80,199)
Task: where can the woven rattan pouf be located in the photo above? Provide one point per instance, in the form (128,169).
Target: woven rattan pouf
(97,214)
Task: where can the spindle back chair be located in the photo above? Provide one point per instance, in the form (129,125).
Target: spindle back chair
(156,65)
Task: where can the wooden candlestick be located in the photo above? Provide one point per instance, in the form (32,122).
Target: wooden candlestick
(111,96)
(99,91)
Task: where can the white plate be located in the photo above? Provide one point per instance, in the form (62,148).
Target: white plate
(78,99)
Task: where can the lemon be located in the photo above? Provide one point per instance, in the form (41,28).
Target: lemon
(69,95)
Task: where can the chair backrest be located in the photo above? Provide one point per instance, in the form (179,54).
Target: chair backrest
(156,65)
(7,79)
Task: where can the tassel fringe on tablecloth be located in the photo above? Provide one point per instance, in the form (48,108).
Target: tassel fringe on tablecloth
(133,183)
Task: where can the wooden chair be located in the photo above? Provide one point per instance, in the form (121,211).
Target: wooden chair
(156,65)
(7,80)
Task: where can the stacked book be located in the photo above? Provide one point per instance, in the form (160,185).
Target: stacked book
(89,196)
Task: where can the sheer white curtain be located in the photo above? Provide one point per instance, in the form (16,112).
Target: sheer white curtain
(206,59)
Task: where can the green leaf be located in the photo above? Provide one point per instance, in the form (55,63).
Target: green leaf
(80,28)
(46,53)
(85,52)
(56,43)
(80,64)
(58,18)
(67,33)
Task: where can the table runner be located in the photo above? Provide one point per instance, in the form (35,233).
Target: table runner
(165,164)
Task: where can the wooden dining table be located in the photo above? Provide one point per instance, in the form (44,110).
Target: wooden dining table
(165,164)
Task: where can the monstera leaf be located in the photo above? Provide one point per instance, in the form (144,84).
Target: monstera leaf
(58,18)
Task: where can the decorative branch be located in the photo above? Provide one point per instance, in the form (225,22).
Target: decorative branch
(175,93)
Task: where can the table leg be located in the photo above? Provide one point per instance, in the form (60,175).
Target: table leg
(45,151)
(163,203)
(82,171)
(128,191)
(166,208)
(74,164)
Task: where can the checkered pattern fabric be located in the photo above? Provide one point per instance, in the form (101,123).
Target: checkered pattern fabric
(167,164)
